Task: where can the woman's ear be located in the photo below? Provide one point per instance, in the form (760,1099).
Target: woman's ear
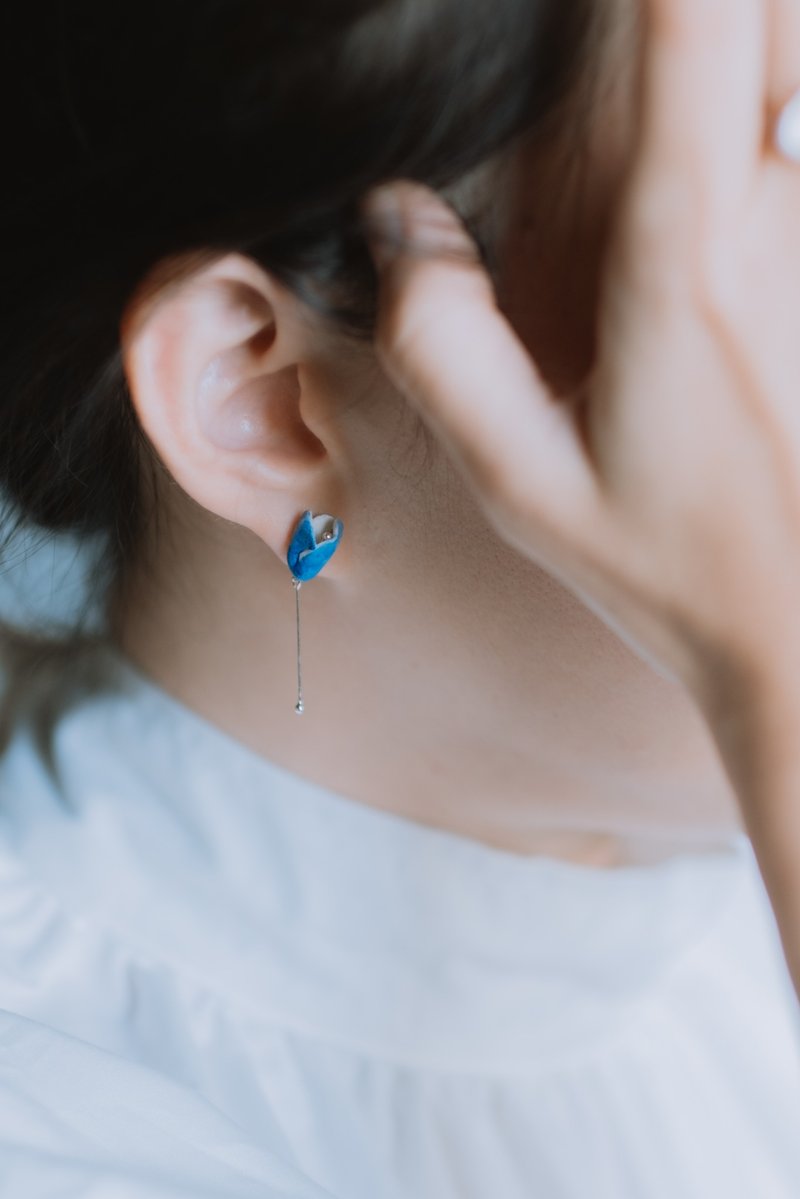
(214,365)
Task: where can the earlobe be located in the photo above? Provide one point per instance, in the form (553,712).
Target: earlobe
(215,374)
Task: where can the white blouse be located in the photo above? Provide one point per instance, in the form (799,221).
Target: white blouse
(218,979)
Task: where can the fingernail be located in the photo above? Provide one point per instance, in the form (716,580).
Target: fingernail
(383,224)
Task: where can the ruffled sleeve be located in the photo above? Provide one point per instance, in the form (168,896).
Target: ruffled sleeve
(81,1123)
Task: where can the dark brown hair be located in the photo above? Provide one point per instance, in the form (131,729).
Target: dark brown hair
(143,131)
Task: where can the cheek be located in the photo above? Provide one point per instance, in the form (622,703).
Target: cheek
(551,270)
(551,259)
(549,292)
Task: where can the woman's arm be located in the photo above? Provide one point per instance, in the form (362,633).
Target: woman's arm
(755,721)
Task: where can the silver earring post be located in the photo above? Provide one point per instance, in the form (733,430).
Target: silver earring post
(299,707)
(307,555)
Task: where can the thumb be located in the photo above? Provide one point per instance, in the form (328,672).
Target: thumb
(444,343)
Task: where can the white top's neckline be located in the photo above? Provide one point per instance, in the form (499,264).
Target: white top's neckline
(425,946)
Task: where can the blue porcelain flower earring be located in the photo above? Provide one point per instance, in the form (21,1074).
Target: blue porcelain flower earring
(314,542)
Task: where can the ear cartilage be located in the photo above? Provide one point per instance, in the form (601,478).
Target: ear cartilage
(314,542)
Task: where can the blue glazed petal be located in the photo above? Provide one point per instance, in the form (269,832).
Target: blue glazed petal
(304,533)
(306,556)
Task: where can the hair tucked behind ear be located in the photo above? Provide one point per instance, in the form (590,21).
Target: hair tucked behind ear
(144,131)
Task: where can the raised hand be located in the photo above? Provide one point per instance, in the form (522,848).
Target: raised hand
(667,493)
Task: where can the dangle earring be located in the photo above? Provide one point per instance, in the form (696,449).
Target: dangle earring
(314,542)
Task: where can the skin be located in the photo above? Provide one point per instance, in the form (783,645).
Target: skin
(666,488)
(450,676)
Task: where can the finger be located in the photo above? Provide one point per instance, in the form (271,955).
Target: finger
(444,343)
(702,108)
(784,56)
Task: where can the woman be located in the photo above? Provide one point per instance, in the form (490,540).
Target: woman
(484,917)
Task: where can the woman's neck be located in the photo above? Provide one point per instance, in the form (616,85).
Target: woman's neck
(417,703)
